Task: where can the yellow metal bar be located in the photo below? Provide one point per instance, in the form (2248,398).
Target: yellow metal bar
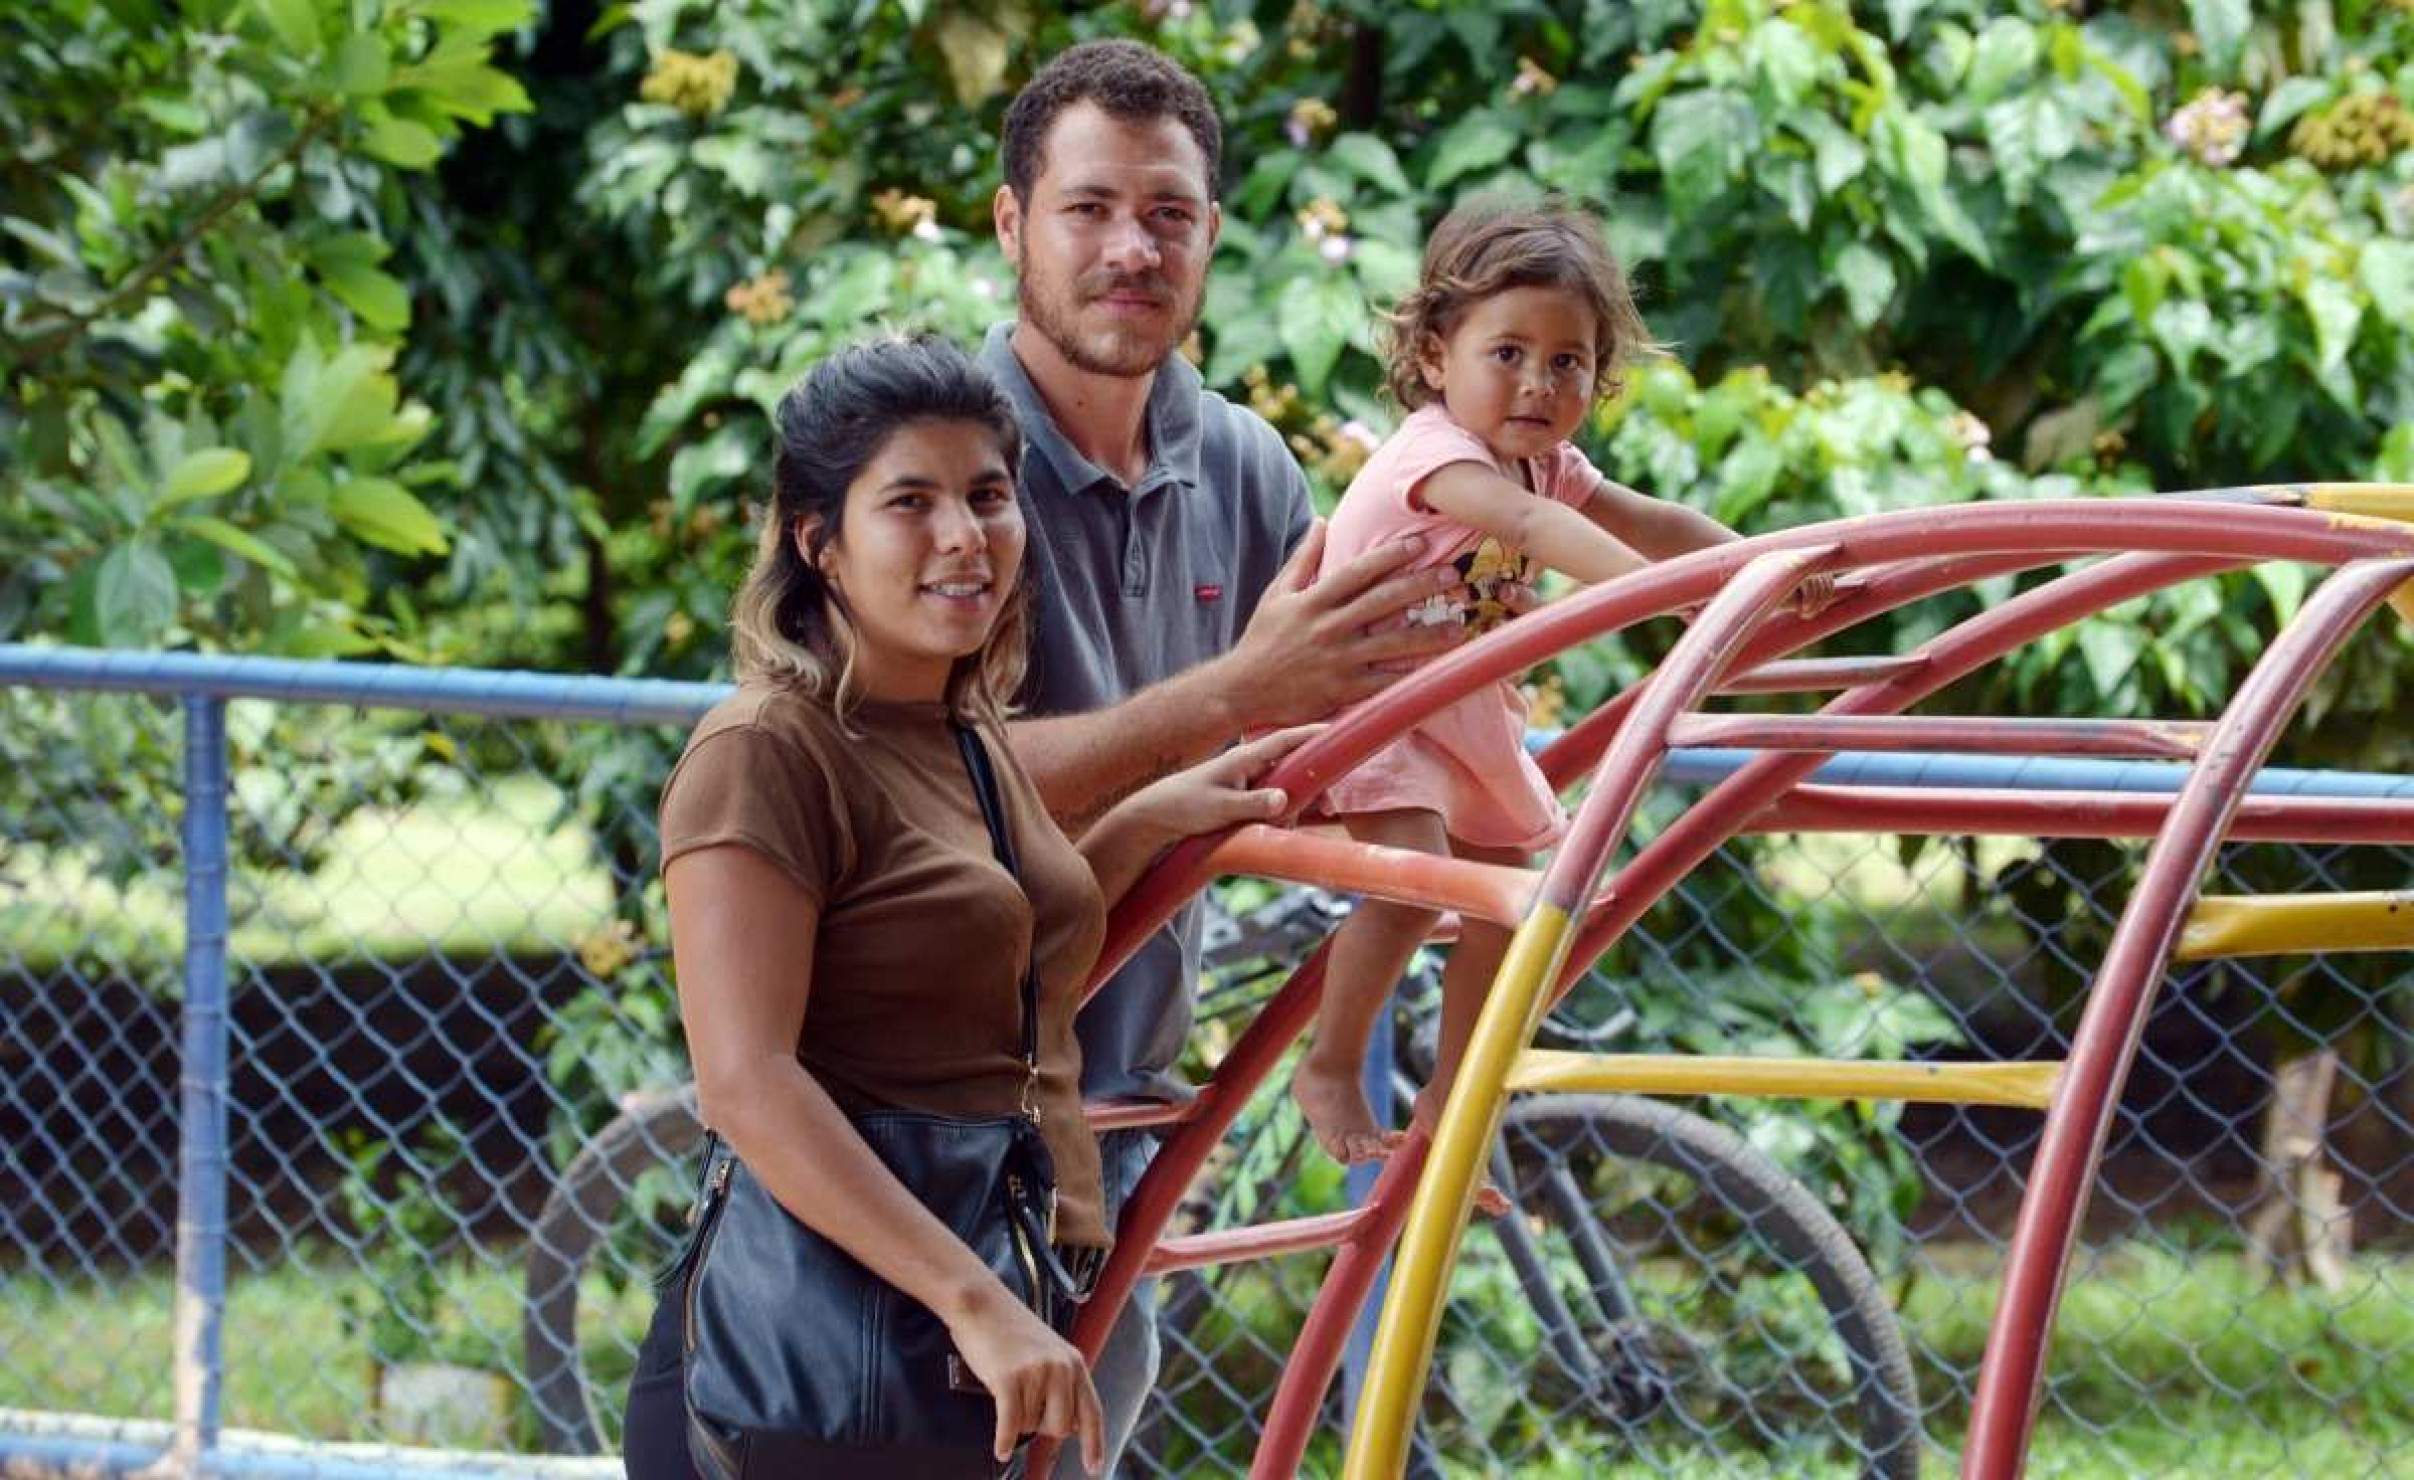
(1437,1218)
(2279,924)
(2029,1085)
(2373,500)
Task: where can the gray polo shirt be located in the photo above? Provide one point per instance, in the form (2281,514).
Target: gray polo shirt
(1133,586)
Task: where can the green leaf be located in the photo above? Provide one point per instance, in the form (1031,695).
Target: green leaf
(339,404)
(2006,52)
(480,15)
(2220,25)
(1702,140)
(205,474)
(381,512)
(1371,160)
(1867,277)
(2387,270)
(380,300)
(296,23)
(401,142)
(2110,648)
(361,68)
(1386,270)
(2290,100)
(1319,312)
(2335,314)
(2283,581)
(239,542)
(1478,141)
(134,595)
(1838,156)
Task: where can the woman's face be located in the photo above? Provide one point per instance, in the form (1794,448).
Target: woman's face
(928,550)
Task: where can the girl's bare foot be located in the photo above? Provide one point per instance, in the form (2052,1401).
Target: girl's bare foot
(1336,1112)
(1426,1116)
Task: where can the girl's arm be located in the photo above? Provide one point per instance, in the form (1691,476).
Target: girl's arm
(1660,528)
(742,936)
(1210,796)
(1552,532)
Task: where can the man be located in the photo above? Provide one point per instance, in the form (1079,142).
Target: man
(1173,539)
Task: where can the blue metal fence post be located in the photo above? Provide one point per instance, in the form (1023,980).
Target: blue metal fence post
(1375,1078)
(201,1152)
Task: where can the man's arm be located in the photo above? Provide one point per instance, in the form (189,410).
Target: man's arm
(1311,647)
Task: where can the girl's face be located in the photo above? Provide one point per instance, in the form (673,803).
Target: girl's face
(1517,371)
(928,550)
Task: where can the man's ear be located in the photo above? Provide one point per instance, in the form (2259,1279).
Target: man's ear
(1006,218)
(1215,225)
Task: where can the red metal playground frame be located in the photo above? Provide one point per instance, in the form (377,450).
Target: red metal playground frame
(1566,918)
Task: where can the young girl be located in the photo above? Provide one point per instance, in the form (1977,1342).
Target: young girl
(1517,329)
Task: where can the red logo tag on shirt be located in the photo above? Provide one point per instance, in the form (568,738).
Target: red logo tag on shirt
(1208,593)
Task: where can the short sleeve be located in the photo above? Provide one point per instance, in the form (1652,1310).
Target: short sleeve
(1571,476)
(1426,443)
(746,786)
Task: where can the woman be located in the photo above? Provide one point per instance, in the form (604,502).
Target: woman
(844,940)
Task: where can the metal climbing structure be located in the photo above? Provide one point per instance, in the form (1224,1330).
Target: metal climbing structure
(1740,642)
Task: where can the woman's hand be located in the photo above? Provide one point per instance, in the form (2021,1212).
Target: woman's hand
(1038,1379)
(1211,795)
(1215,793)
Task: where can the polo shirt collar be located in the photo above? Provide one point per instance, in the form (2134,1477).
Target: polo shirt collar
(1174,424)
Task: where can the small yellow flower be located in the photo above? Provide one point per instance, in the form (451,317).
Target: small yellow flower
(762,300)
(904,214)
(608,948)
(698,86)
(677,628)
(1532,80)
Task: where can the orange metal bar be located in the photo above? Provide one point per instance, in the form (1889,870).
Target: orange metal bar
(1124,1115)
(1489,891)
(1255,1241)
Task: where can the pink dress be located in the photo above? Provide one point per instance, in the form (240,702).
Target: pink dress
(1467,762)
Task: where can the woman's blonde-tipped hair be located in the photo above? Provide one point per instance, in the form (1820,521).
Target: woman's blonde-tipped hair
(788,625)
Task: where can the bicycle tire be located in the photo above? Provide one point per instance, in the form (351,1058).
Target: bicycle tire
(656,1129)
(1776,1209)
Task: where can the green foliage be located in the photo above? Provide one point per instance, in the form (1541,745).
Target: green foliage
(205,441)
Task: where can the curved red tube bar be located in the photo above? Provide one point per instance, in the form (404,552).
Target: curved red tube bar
(2010,1375)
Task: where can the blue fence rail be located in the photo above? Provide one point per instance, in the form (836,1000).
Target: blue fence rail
(196,1437)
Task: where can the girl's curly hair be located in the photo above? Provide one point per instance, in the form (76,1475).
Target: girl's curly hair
(1496,243)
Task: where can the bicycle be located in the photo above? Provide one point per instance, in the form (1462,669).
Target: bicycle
(1622,1317)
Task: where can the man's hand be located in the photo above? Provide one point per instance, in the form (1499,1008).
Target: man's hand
(1314,646)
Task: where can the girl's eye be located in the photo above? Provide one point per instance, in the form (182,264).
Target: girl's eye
(1570,364)
(1506,354)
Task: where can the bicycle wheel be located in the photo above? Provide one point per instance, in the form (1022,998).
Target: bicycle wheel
(1666,1301)
(658,1130)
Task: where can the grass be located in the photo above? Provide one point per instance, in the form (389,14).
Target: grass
(468,873)
(2164,1363)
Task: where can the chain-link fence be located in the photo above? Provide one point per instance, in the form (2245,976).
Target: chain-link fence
(446,1057)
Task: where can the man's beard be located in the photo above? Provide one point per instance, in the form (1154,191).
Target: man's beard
(1124,351)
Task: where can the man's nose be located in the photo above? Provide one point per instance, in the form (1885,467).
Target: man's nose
(1130,247)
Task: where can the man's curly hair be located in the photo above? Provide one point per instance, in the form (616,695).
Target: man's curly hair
(1131,82)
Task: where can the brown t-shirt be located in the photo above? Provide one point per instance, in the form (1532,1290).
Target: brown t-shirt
(915,1001)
